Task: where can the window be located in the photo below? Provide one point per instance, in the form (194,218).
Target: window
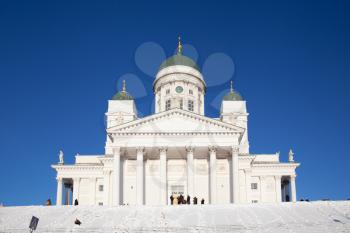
(100,188)
(167,105)
(190,92)
(254,185)
(167,91)
(190,105)
(254,201)
(100,203)
(181,104)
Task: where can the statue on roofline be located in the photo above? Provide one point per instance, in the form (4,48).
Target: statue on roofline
(61,157)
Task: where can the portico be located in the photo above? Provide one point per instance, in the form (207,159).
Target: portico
(164,168)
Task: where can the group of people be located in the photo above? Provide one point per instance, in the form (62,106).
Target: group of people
(180,200)
(48,202)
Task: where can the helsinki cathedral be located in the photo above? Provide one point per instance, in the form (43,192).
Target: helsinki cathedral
(176,151)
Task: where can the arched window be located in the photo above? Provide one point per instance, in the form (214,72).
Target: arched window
(167,105)
(190,106)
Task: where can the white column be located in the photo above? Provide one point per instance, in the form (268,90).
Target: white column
(248,184)
(293,188)
(212,180)
(278,189)
(59,191)
(163,175)
(190,171)
(235,178)
(93,190)
(139,176)
(76,186)
(116,165)
(106,184)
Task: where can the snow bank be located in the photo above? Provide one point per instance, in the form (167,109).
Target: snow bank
(286,217)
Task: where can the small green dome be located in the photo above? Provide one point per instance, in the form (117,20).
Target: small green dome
(233,95)
(123,94)
(179,59)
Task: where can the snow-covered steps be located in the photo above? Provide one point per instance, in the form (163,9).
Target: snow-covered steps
(286,217)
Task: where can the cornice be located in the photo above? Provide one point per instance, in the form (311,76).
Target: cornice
(276,165)
(181,112)
(172,133)
(77,167)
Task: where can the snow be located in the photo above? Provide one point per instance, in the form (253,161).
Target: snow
(308,217)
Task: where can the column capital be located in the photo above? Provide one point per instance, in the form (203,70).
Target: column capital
(189,149)
(163,149)
(277,176)
(59,179)
(212,149)
(140,149)
(75,179)
(293,176)
(116,150)
(234,149)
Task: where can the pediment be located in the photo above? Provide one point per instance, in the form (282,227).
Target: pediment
(175,121)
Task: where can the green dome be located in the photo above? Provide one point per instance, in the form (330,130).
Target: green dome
(123,94)
(179,59)
(233,95)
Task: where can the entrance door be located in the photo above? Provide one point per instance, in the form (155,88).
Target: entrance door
(176,190)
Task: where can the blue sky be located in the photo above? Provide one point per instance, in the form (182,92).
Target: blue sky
(60,62)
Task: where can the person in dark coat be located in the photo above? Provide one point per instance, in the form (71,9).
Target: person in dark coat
(181,199)
(287,198)
(188,199)
(195,201)
(171,199)
(202,201)
(76,202)
(48,202)
(77,221)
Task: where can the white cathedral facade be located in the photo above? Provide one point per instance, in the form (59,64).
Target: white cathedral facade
(177,150)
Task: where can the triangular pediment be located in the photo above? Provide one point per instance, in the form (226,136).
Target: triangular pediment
(173,121)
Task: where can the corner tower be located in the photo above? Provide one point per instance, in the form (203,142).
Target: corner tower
(121,109)
(179,84)
(234,111)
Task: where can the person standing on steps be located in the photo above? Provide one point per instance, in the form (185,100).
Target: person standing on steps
(188,199)
(171,199)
